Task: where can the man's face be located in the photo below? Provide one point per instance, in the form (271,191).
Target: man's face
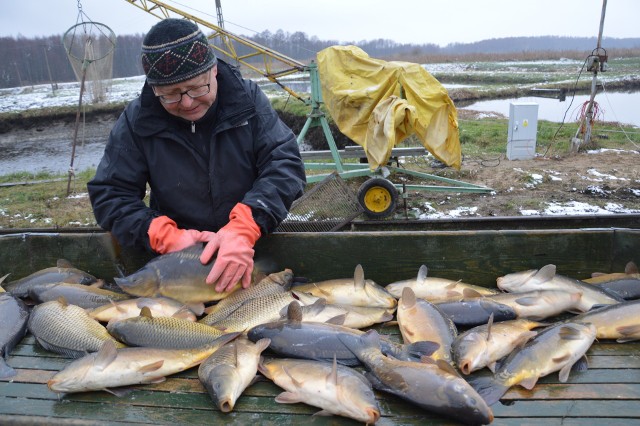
(188,108)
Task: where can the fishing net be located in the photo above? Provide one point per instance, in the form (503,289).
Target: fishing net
(327,206)
(90,47)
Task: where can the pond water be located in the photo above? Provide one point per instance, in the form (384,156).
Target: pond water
(623,107)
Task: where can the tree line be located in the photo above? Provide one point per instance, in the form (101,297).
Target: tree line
(43,60)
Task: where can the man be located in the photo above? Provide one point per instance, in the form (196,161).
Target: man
(222,167)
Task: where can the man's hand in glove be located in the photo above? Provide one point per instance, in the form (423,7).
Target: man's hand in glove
(234,244)
(165,237)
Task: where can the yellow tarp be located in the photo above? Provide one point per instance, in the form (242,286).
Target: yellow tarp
(378,104)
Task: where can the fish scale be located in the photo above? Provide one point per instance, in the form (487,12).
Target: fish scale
(271,284)
(261,310)
(67,329)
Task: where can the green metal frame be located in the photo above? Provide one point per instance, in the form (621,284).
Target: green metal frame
(317,118)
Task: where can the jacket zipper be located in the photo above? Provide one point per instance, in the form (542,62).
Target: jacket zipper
(193,127)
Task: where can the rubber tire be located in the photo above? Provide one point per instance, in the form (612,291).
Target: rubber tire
(378,198)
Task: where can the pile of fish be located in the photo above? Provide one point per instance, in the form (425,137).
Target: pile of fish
(462,346)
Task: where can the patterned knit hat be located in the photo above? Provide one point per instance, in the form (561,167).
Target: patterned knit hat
(175,50)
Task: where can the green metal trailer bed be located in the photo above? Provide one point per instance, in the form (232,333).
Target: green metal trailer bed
(607,393)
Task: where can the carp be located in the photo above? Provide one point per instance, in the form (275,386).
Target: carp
(436,289)
(333,388)
(159,307)
(110,367)
(62,272)
(86,296)
(179,275)
(620,322)
(556,348)
(230,370)
(546,278)
(353,316)
(67,329)
(14,315)
(541,304)
(354,291)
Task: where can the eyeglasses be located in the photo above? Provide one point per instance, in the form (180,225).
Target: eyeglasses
(196,92)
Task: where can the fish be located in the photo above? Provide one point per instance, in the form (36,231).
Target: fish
(432,385)
(179,275)
(83,295)
(556,348)
(483,345)
(421,320)
(546,278)
(620,322)
(353,316)
(626,288)
(538,305)
(62,272)
(473,312)
(630,272)
(110,367)
(230,370)
(67,329)
(14,315)
(354,291)
(436,289)
(261,310)
(277,282)
(159,307)
(336,389)
(162,332)
(292,337)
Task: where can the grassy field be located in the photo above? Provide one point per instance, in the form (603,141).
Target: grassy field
(24,203)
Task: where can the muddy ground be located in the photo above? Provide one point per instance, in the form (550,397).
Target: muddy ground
(589,182)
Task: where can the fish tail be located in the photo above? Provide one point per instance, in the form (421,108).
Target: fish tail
(5,370)
(488,388)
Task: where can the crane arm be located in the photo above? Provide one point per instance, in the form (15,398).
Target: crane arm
(226,46)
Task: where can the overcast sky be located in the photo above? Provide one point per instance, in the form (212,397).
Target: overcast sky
(404,21)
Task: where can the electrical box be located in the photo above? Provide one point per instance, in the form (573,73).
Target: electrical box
(523,130)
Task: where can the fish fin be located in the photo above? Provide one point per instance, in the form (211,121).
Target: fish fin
(294,311)
(408,297)
(488,388)
(492,366)
(333,375)
(337,320)
(155,380)
(64,263)
(469,293)
(63,301)
(390,323)
(422,273)
(527,301)
(323,413)
(631,268)
(546,272)
(451,285)
(581,365)
(196,308)
(524,338)
(317,306)
(422,348)
(262,344)
(629,333)
(445,366)
(561,359)
(489,326)
(298,383)
(569,333)
(119,392)
(358,277)
(146,312)
(257,378)
(105,355)
(2,280)
(289,398)
(153,366)
(264,370)
(98,284)
(210,309)
(5,370)
(451,294)
(529,383)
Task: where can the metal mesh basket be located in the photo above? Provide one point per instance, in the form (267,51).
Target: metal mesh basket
(326,207)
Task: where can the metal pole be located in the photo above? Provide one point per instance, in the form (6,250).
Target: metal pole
(85,65)
(589,112)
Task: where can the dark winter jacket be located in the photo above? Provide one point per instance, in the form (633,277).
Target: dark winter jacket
(240,152)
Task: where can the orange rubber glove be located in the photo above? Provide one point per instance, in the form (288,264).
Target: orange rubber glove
(166,237)
(234,243)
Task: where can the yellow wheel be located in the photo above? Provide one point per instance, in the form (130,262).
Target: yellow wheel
(378,197)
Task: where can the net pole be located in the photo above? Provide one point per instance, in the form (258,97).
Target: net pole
(75,131)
